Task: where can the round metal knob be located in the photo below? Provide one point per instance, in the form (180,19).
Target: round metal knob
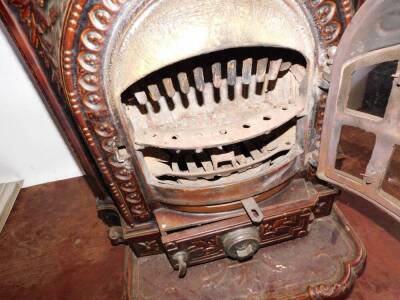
(241,244)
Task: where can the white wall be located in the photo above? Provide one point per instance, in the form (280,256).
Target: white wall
(31,147)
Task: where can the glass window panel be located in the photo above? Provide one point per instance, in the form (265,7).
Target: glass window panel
(354,150)
(391,183)
(371,87)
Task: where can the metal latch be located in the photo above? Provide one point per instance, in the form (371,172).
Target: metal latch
(181,259)
(253,210)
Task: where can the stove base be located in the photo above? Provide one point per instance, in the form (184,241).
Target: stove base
(324,264)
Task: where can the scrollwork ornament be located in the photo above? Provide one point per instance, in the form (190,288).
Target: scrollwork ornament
(88,102)
(326,16)
(352,270)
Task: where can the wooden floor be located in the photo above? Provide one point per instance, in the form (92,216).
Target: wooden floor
(54,247)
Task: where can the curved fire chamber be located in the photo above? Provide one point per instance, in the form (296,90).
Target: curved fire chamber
(219,117)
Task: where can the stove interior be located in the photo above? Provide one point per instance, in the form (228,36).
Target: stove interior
(218,117)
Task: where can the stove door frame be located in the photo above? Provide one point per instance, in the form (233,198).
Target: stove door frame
(372,38)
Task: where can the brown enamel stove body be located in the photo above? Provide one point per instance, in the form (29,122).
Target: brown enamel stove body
(200,120)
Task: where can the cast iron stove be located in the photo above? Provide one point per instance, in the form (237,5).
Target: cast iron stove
(212,129)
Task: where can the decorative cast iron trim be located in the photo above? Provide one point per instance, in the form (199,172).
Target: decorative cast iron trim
(81,74)
(274,230)
(352,269)
(38,24)
(326,17)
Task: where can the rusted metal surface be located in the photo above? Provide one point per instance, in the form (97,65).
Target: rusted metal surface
(295,195)
(199,167)
(194,184)
(168,128)
(228,193)
(285,216)
(216,168)
(322,265)
(231,206)
(85,63)
(208,117)
(373,38)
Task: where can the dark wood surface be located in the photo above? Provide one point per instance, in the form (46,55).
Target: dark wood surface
(54,247)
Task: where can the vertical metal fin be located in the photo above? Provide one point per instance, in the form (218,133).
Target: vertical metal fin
(183,82)
(239,156)
(191,164)
(231,71)
(154,92)
(169,87)
(141,97)
(246,70)
(274,69)
(175,167)
(261,69)
(206,162)
(252,149)
(216,72)
(199,78)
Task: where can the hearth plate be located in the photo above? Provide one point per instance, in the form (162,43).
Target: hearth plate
(323,264)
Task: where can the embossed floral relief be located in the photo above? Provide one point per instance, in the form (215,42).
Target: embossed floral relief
(40,17)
